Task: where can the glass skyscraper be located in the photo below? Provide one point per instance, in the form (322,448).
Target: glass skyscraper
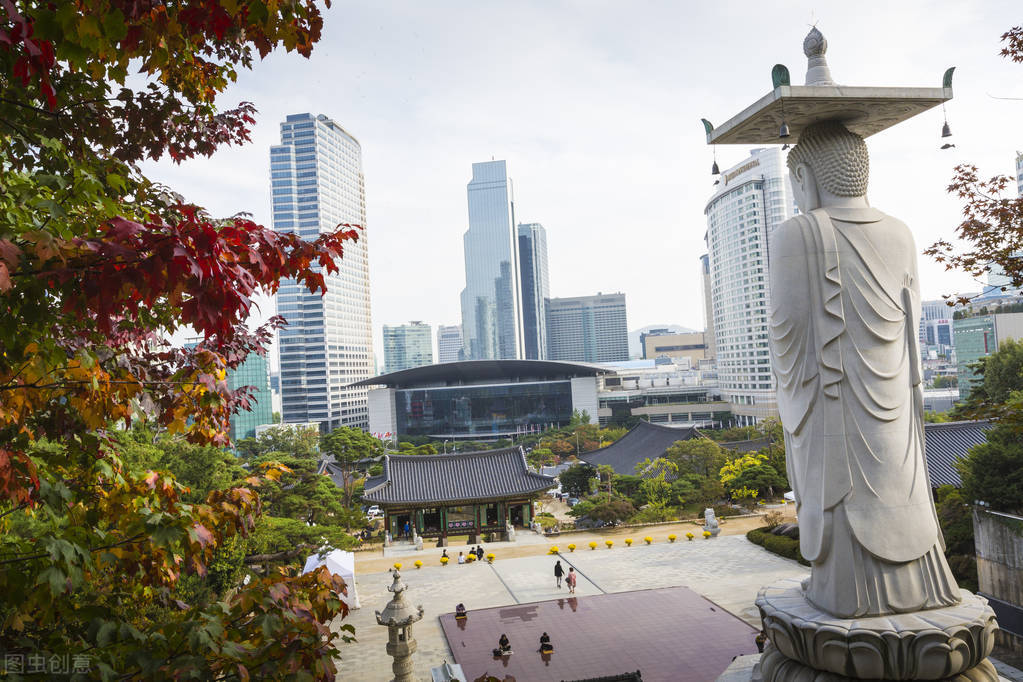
(317,182)
(491,312)
(752,199)
(536,289)
(407,345)
(253,372)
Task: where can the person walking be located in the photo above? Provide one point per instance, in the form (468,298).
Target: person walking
(558,572)
(479,552)
(407,528)
(571,580)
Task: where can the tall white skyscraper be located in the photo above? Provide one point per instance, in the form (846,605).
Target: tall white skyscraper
(536,289)
(751,200)
(317,182)
(407,346)
(449,343)
(491,312)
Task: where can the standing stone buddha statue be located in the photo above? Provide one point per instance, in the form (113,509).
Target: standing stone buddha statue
(844,316)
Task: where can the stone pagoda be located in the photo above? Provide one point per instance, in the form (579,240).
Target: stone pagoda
(398,616)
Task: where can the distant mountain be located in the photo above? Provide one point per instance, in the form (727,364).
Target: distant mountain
(634,349)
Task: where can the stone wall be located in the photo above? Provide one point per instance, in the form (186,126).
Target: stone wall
(999,541)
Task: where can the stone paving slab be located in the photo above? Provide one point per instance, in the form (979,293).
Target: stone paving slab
(531,579)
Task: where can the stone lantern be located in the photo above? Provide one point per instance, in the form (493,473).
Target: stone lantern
(399,616)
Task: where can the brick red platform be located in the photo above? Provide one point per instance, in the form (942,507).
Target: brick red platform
(669,635)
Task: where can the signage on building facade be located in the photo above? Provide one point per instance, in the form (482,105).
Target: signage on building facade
(742,169)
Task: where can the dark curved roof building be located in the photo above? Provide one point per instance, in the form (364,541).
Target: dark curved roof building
(644,441)
(482,399)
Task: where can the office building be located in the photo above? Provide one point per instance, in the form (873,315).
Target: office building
(677,393)
(977,336)
(587,329)
(708,307)
(662,343)
(750,201)
(317,182)
(408,345)
(936,329)
(449,343)
(536,289)
(491,312)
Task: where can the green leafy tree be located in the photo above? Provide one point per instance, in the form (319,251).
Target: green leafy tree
(582,508)
(700,456)
(956,519)
(607,509)
(750,471)
(655,485)
(630,487)
(993,471)
(578,481)
(684,490)
(540,457)
(202,469)
(579,418)
(294,440)
(347,447)
(607,475)
(301,493)
(410,449)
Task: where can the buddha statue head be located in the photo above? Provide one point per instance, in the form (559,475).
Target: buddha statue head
(828,166)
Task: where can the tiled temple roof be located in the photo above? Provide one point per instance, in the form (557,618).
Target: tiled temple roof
(461,477)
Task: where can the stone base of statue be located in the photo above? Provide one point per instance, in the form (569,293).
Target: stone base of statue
(810,645)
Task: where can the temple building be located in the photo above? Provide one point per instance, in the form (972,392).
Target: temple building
(644,441)
(468,493)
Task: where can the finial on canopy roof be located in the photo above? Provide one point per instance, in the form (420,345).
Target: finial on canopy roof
(814,47)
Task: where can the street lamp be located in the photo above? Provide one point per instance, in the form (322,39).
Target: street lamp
(445,447)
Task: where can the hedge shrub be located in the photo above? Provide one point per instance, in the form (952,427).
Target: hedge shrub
(778,544)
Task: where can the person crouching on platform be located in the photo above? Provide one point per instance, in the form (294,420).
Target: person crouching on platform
(503,646)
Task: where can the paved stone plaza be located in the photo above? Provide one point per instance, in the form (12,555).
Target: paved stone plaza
(728,570)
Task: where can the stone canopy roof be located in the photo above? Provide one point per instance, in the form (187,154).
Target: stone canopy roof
(447,479)
(644,441)
(945,444)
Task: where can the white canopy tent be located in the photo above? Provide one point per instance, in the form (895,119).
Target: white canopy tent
(790,496)
(338,562)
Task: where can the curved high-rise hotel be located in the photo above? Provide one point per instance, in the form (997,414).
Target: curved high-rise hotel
(751,199)
(317,182)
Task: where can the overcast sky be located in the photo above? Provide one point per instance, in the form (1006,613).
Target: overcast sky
(596,106)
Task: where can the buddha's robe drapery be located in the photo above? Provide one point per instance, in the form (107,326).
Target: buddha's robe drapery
(845,306)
